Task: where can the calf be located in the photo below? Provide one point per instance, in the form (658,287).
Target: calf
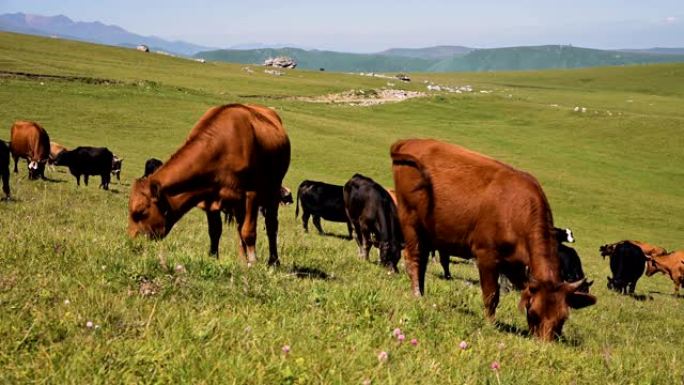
(88,161)
(321,200)
(151,165)
(570,262)
(373,214)
(671,265)
(116,166)
(55,149)
(627,263)
(30,141)
(4,168)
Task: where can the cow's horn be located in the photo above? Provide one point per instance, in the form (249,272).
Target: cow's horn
(573,286)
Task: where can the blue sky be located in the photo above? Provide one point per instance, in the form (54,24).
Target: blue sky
(366,26)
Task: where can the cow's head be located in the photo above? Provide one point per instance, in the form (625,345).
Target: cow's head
(116,164)
(653,266)
(548,305)
(36,169)
(148,210)
(285,196)
(607,250)
(390,253)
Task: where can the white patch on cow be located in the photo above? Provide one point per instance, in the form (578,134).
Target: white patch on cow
(571,238)
(33,165)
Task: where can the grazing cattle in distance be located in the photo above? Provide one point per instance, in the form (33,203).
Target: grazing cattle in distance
(470,205)
(30,141)
(4,168)
(373,215)
(627,263)
(151,165)
(117,163)
(286,196)
(671,265)
(87,161)
(321,200)
(570,262)
(233,160)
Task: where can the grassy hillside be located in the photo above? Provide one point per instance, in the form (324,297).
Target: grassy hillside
(448,59)
(330,61)
(165,312)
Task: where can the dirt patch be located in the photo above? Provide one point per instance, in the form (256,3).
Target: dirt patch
(368,97)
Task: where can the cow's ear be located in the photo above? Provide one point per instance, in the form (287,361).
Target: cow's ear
(579,300)
(155,189)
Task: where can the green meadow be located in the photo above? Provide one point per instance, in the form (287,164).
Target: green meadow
(80,302)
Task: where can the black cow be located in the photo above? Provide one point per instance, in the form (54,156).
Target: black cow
(570,262)
(627,263)
(4,167)
(151,165)
(117,163)
(88,161)
(321,200)
(374,216)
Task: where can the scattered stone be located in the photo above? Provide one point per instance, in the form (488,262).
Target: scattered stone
(274,72)
(142,48)
(281,62)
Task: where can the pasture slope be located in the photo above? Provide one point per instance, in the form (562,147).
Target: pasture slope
(165,312)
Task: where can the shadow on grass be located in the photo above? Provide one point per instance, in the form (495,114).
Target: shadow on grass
(50,180)
(641,297)
(511,329)
(114,191)
(338,236)
(309,272)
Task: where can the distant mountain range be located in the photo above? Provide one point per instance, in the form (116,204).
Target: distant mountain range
(452,59)
(94,32)
(429,59)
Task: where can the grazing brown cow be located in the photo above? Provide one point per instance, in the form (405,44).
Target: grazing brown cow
(30,141)
(466,204)
(233,160)
(55,149)
(671,265)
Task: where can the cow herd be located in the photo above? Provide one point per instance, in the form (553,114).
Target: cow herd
(446,199)
(30,141)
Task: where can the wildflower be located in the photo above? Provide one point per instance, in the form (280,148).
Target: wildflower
(180,268)
(367,381)
(401,337)
(414,342)
(396,332)
(382,356)
(495,366)
(463,345)
(286,349)
(89,324)
(66,302)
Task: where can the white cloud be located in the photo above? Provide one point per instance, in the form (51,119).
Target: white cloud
(671,20)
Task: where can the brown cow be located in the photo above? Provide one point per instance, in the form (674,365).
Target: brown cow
(470,205)
(55,149)
(233,160)
(30,141)
(671,265)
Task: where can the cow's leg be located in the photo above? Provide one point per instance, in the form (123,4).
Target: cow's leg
(248,231)
(444,259)
(5,182)
(271,218)
(416,257)
(317,224)
(367,242)
(78,179)
(85,179)
(106,179)
(305,220)
(349,229)
(632,287)
(489,281)
(215,228)
(16,160)
(239,213)
(358,237)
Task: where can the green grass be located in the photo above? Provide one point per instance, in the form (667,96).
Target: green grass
(608,177)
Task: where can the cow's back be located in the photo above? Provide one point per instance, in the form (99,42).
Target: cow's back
(466,198)
(30,140)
